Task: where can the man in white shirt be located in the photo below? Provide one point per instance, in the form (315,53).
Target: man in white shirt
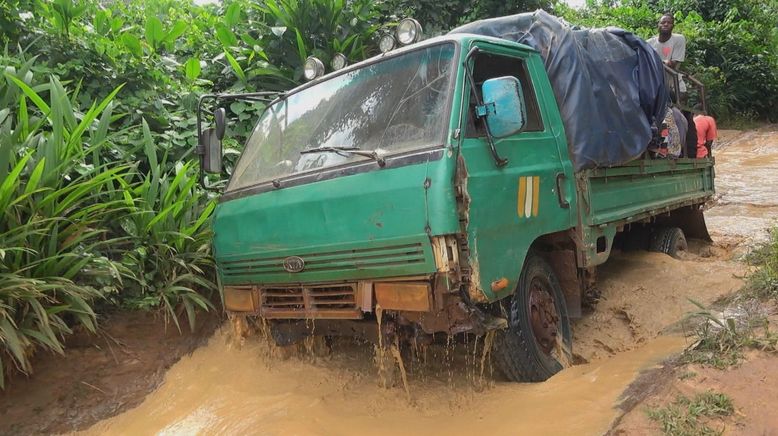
(670,46)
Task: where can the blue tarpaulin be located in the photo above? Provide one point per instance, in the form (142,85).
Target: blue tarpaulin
(609,84)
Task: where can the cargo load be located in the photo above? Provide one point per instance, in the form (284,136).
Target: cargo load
(609,84)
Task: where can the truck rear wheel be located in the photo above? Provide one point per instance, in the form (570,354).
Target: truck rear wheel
(538,335)
(669,240)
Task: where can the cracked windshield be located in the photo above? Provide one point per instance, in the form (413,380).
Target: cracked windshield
(390,106)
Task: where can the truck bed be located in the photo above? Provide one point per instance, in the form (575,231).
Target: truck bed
(642,188)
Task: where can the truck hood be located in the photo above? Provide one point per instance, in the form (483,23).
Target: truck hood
(367,225)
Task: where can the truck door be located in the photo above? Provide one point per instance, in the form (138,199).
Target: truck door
(531,195)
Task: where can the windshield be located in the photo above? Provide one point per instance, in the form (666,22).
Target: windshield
(390,106)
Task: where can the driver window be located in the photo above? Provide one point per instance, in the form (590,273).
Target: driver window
(488,66)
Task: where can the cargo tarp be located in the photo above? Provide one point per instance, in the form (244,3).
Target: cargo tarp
(609,84)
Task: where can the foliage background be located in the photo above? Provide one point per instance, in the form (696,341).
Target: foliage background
(99,195)
(732,46)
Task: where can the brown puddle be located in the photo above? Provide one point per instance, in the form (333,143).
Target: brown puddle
(746,181)
(224,390)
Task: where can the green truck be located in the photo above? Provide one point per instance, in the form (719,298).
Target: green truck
(431,187)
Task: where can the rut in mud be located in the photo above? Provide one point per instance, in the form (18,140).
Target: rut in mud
(255,388)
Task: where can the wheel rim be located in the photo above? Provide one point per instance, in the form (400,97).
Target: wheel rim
(544,318)
(680,246)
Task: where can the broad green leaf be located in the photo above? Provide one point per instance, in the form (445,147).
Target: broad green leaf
(225,36)
(154,32)
(192,68)
(133,44)
(232,14)
(178,29)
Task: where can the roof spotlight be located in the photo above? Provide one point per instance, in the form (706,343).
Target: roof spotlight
(339,61)
(387,43)
(313,68)
(408,31)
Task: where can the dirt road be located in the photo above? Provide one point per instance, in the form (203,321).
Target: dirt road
(224,388)
(746,186)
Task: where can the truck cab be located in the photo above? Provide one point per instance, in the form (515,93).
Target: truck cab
(425,190)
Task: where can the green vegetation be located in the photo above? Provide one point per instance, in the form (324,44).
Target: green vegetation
(732,46)
(763,283)
(685,417)
(99,194)
(720,340)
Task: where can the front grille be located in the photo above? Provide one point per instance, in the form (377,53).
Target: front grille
(379,259)
(319,301)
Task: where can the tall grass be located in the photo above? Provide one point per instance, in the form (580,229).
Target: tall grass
(78,224)
(53,204)
(169,253)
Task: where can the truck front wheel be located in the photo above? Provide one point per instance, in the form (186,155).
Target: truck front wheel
(538,336)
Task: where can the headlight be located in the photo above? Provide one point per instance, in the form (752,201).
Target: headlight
(408,31)
(313,68)
(386,43)
(338,61)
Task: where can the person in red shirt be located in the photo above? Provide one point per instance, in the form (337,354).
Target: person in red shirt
(706,134)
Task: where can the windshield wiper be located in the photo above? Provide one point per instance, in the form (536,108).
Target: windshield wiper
(348,150)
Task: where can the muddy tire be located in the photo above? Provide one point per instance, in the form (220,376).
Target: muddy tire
(669,240)
(538,327)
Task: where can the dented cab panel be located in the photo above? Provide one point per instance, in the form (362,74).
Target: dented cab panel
(509,207)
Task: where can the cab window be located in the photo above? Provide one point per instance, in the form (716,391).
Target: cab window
(488,66)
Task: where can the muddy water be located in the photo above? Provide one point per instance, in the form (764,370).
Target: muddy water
(224,390)
(249,389)
(746,185)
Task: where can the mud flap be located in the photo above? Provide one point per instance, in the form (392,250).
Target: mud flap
(691,220)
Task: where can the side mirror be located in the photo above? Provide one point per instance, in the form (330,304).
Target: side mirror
(220,117)
(504,107)
(210,150)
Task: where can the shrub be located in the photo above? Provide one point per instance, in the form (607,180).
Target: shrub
(54,205)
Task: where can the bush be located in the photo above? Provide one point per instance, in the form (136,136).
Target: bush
(54,205)
(99,195)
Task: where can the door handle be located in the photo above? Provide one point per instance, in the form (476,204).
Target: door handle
(563,203)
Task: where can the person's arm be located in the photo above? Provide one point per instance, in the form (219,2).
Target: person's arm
(679,51)
(713,132)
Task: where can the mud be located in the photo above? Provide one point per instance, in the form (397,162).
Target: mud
(224,390)
(644,294)
(752,386)
(746,200)
(99,375)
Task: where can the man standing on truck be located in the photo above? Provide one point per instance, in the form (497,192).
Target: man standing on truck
(671,47)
